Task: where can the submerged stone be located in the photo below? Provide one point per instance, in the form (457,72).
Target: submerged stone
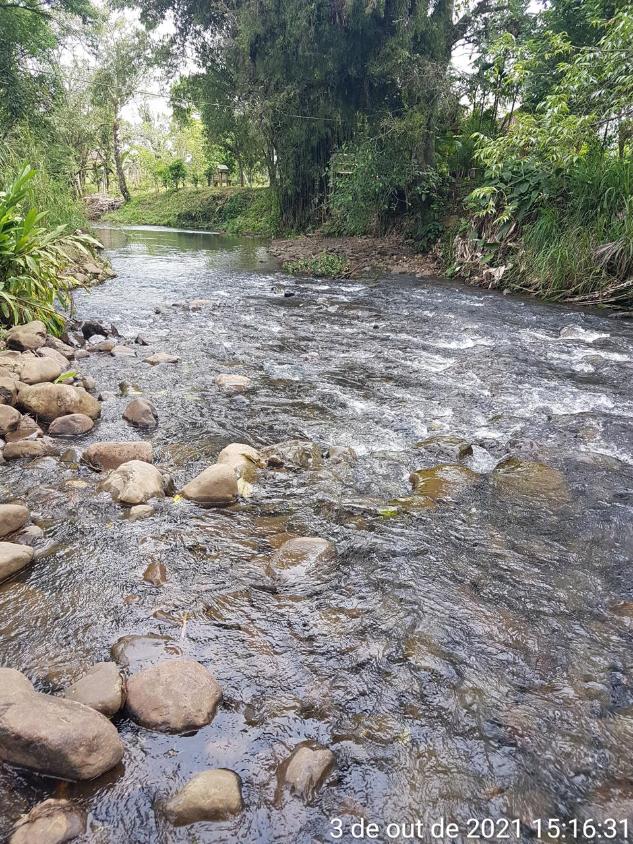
(444,482)
(305,771)
(530,479)
(50,822)
(208,796)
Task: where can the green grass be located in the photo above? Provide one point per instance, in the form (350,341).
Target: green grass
(325,265)
(240,211)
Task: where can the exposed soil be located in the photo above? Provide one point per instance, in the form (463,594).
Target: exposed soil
(366,256)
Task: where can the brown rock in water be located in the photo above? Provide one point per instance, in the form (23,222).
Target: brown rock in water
(27,429)
(233,383)
(13,558)
(73,425)
(295,454)
(36,370)
(28,448)
(303,551)
(101,345)
(216,486)
(444,482)
(208,796)
(50,822)
(141,413)
(305,771)
(9,419)
(177,696)
(48,401)
(12,518)
(156,574)
(134,482)
(161,357)
(107,456)
(140,511)
(101,688)
(516,478)
(27,337)
(54,736)
(121,351)
(242,458)
(141,651)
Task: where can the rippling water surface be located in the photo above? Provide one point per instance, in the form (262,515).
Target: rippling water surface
(471,652)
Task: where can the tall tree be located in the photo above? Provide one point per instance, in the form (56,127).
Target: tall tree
(127,59)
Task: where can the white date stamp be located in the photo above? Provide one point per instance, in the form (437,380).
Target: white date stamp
(480,829)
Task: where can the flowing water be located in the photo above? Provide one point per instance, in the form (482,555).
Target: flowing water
(469,655)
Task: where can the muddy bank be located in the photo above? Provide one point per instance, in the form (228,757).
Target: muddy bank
(365,257)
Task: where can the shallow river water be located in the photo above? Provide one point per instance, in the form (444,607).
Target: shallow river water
(469,654)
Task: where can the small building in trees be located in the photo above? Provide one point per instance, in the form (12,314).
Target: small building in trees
(222,176)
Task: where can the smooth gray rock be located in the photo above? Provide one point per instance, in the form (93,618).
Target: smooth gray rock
(208,796)
(101,688)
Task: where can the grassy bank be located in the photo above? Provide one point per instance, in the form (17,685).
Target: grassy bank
(248,211)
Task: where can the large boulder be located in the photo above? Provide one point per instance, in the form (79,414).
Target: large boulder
(48,401)
(37,370)
(216,486)
(141,413)
(305,771)
(107,456)
(101,688)
(242,458)
(53,354)
(176,696)
(208,796)
(54,736)
(73,425)
(28,448)
(134,482)
(13,558)
(50,822)
(9,419)
(12,518)
(27,337)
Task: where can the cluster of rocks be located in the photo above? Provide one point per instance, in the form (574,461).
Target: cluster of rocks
(70,735)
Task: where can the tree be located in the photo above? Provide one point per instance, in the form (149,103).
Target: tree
(127,59)
(306,74)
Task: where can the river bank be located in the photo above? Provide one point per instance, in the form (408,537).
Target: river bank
(464,459)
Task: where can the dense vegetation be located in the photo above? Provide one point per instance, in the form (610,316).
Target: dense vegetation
(517,169)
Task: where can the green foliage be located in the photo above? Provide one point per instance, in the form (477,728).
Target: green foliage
(32,258)
(325,265)
(175,174)
(248,211)
(384,183)
(553,214)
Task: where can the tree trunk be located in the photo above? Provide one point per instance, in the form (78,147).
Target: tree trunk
(118,161)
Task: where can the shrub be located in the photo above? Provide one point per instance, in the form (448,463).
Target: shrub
(325,265)
(32,258)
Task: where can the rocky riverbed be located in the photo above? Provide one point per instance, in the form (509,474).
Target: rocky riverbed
(275,552)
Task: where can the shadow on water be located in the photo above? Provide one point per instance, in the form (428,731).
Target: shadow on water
(470,653)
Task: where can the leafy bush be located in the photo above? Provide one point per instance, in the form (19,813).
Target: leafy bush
(325,265)
(32,258)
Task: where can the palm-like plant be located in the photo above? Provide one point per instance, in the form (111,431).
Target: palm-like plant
(32,258)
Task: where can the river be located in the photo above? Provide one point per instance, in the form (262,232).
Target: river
(469,655)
